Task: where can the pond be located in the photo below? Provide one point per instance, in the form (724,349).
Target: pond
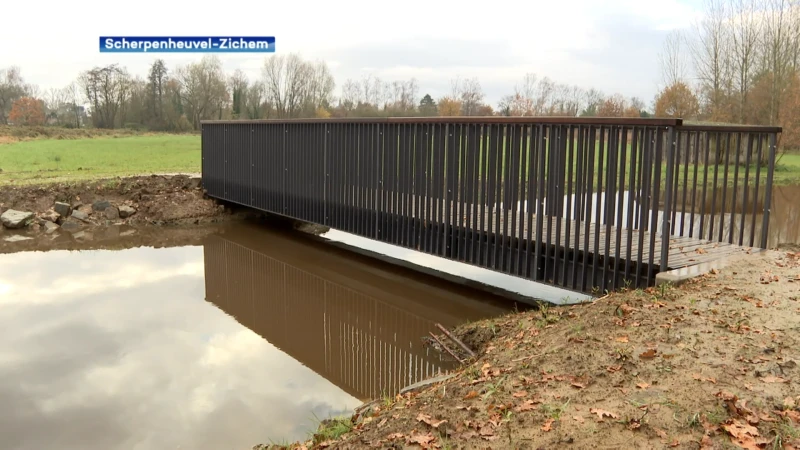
(247,336)
(243,335)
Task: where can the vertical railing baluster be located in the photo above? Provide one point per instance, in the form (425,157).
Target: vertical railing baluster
(768,191)
(666,228)
(755,192)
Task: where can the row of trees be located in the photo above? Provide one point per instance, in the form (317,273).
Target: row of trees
(289,87)
(739,64)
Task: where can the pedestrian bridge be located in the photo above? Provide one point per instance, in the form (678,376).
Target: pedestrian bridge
(587,204)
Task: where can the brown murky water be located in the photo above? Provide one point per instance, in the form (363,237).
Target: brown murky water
(245,336)
(249,336)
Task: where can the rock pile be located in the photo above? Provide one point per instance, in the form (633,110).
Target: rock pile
(67,217)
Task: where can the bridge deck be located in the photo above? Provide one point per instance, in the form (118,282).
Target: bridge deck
(586,236)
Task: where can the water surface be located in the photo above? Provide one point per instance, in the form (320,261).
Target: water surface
(247,337)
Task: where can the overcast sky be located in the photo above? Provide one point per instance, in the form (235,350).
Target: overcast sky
(611,45)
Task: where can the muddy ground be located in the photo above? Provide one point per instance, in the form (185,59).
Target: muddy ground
(156,200)
(712,364)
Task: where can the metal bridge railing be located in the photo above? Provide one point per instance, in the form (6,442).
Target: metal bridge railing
(582,203)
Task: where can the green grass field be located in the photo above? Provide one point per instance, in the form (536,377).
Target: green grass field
(38,161)
(44,160)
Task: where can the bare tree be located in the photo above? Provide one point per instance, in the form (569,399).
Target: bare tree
(471,96)
(779,39)
(351,96)
(73,96)
(672,59)
(745,31)
(106,89)
(257,108)
(319,87)
(710,53)
(203,91)
(285,77)
(54,99)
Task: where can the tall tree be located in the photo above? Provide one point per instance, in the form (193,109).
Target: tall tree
(427,106)
(27,111)
(672,58)
(106,88)
(238,86)
(295,86)
(203,91)
(156,86)
(677,100)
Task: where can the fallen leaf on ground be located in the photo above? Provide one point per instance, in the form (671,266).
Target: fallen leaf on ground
(649,354)
(578,385)
(602,413)
(430,421)
(793,415)
(486,430)
(622,339)
(548,425)
(520,394)
(394,436)
(527,406)
(578,419)
(471,394)
(661,433)
(613,369)
(642,385)
(773,379)
(740,431)
(422,439)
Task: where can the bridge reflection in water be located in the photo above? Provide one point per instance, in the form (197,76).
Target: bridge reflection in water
(354,321)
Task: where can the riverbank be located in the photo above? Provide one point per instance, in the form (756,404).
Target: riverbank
(84,209)
(710,364)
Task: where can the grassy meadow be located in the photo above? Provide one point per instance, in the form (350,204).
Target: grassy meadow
(43,160)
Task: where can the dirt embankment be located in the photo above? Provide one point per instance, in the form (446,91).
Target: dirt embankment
(712,364)
(95,207)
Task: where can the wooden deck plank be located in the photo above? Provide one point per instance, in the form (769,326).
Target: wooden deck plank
(683,250)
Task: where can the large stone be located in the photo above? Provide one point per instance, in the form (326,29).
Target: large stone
(193,183)
(111,213)
(50,227)
(63,209)
(80,215)
(101,205)
(71,224)
(126,211)
(16,219)
(51,216)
